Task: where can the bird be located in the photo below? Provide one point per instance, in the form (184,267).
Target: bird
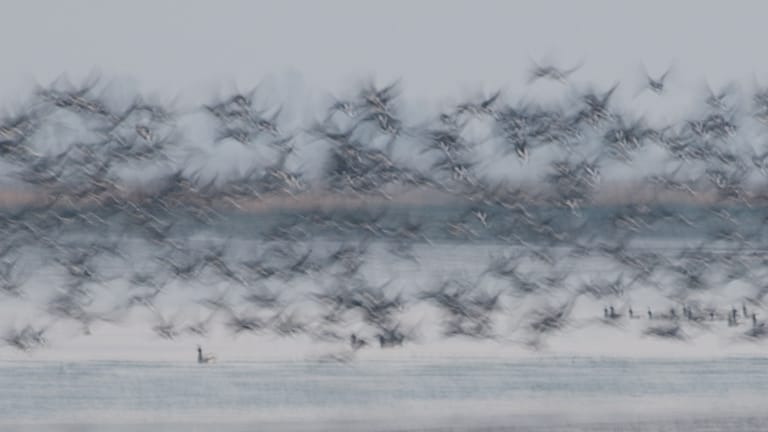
(539,71)
(655,84)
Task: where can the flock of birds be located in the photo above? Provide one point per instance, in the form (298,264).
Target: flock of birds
(106,202)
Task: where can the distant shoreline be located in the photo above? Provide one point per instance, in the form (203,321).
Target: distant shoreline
(616,194)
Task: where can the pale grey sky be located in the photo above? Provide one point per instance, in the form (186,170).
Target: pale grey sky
(436,46)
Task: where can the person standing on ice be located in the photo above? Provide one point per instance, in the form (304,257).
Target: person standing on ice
(356,342)
(202,359)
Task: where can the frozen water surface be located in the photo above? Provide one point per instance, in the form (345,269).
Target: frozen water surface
(532,394)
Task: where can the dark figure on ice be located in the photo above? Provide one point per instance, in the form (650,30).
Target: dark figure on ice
(356,342)
(207,358)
